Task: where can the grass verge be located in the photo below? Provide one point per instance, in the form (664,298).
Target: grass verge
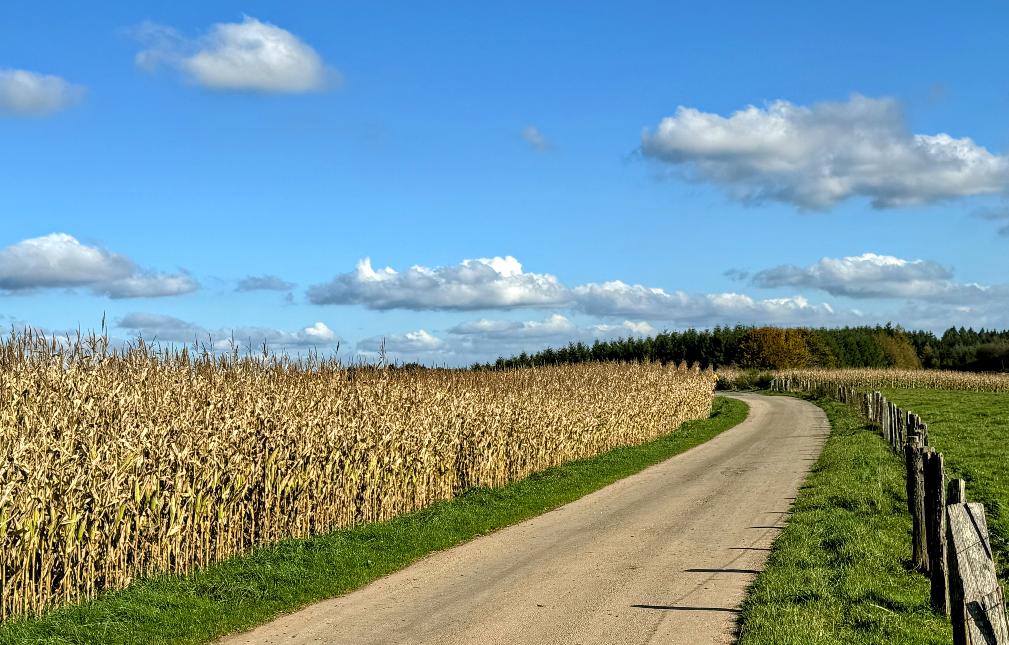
(246,591)
(838,572)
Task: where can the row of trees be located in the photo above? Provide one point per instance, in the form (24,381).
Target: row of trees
(963,349)
(777,348)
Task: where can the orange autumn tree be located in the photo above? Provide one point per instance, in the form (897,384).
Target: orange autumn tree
(775,348)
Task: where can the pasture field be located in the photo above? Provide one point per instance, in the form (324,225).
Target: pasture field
(971,430)
(116,466)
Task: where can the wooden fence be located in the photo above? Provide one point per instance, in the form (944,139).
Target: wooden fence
(949,536)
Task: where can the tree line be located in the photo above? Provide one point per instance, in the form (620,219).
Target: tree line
(778,348)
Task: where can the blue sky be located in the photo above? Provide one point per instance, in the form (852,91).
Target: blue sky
(647,167)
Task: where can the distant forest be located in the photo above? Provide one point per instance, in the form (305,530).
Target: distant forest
(777,348)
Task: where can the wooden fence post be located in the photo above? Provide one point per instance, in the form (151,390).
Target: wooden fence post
(903,431)
(913,460)
(935,531)
(884,423)
(956,493)
(898,423)
(888,428)
(978,591)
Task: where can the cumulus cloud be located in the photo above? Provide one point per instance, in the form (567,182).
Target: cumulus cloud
(319,331)
(876,276)
(59,260)
(263,283)
(24,93)
(238,56)
(628,328)
(556,328)
(410,343)
(149,285)
(486,339)
(616,298)
(532,135)
(553,326)
(484,283)
(501,283)
(816,156)
(169,329)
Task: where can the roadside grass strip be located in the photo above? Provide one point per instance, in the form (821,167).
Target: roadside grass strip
(839,571)
(249,590)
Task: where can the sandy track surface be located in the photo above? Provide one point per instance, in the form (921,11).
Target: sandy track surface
(664,556)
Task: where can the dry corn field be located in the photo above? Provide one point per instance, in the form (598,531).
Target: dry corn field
(120,465)
(901,378)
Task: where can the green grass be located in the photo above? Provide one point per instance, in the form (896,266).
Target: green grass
(970,430)
(250,590)
(838,571)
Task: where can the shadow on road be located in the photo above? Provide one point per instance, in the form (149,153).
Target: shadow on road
(682,608)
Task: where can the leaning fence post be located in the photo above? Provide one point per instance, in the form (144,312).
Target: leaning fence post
(935,531)
(980,594)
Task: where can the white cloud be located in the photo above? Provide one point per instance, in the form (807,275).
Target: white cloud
(149,285)
(169,329)
(877,276)
(555,325)
(59,260)
(263,283)
(816,156)
(501,283)
(486,339)
(410,343)
(24,93)
(617,298)
(240,56)
(628,327)
(472,284)
(532,135)
(554,329)
(320,332)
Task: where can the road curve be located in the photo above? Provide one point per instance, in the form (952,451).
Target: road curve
(664,556)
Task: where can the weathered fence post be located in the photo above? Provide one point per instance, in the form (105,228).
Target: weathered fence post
(956,493)
(935,530)
(977,589)
(884,421)
(916,502)
(898,423)
(902,431)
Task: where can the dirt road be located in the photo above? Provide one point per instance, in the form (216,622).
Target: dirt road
(664,556)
